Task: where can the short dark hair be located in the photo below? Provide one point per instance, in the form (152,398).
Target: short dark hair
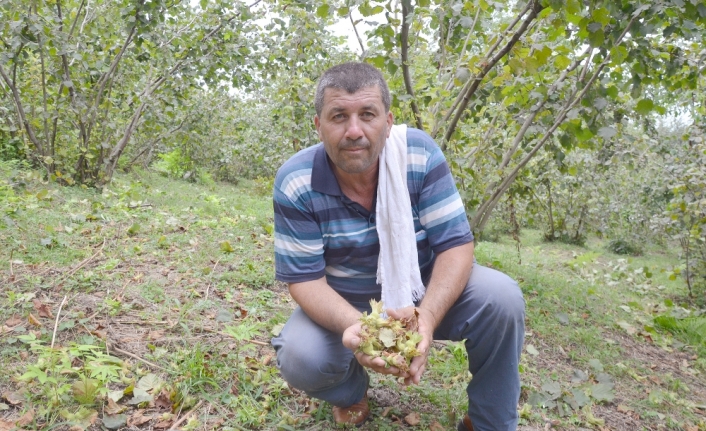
(351,77)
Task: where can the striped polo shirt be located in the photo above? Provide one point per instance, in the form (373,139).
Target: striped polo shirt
(321,232)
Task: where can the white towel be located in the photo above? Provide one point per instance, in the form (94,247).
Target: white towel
(398,267)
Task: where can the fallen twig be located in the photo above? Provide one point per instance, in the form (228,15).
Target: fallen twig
(134,356)
(82,264)
(138,206)
(225,334)
(208,288)
(185,417)
(56,322)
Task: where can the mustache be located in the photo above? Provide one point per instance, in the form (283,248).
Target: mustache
(358,144)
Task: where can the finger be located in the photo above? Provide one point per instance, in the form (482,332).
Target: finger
(418,377)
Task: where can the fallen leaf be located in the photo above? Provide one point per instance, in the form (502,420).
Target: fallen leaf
(266,360)
(413,419)
(14,398)
(113,408)
(155,335)
(162,425)
(624,409)
(116,395)
(24,355)
(386,411)
(13,321)
(26,418)
(138,419)
(531,350)
(42,309)
(140,396)
(100,334)
(436,426)
(162,401)
(626,326)
(149,382)
(113,422)
(33,320)
(6,426)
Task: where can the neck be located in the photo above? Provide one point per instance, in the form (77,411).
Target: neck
(359,187)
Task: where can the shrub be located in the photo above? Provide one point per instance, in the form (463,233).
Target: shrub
(622,246)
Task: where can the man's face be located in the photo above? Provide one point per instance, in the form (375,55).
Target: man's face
(353,128)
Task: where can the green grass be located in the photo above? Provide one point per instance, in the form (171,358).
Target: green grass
(176,280)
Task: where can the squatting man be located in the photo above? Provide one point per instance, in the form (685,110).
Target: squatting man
(328,232)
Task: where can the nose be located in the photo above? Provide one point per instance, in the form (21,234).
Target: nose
(354,130)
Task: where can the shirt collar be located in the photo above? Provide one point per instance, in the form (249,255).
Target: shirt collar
(323,180)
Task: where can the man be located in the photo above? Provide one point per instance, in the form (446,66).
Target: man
(326,249)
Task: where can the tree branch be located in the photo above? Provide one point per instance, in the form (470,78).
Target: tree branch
(21,112)
(360,41)
(534,8)
(487,207)
(404,39)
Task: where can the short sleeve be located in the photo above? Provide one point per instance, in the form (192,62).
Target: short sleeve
(299,250)
(441,210)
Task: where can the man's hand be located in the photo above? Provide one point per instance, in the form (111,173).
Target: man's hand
(426,330)
(351,339)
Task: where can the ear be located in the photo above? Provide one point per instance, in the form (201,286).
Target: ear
(317,123)
(390,122)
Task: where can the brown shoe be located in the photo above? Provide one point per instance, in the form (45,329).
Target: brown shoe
(353,415)
(465,424)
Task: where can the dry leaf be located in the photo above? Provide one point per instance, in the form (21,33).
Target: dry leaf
(33,320)
(13,321)
(624,409)
(113,408)
(155,335)
(26,418)
(266,360)
(42,309)
(14,398)
(413,418)
(386,411)
(163,424)
(6,426)
(162,401)
(24,355)
(138,419)
(436,426)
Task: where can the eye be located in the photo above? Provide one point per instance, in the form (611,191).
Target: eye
(339,117)
(367,115)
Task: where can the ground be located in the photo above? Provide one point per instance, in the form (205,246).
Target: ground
(151,305)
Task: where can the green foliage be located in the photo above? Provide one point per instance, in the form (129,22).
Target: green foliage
(59,376)
(621,246)
(686,211)
(175,164)
(691,329)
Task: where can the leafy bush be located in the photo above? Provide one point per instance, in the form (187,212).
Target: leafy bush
(175,164)
(686,212)
(622,246)
(566,238)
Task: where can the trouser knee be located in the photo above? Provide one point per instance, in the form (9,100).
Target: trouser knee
(309,370)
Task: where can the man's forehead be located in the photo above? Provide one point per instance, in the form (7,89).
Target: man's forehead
(335,98)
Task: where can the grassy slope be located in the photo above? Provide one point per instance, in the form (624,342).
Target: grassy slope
(180,276)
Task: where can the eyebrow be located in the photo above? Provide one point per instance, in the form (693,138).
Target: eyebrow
(370,107)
